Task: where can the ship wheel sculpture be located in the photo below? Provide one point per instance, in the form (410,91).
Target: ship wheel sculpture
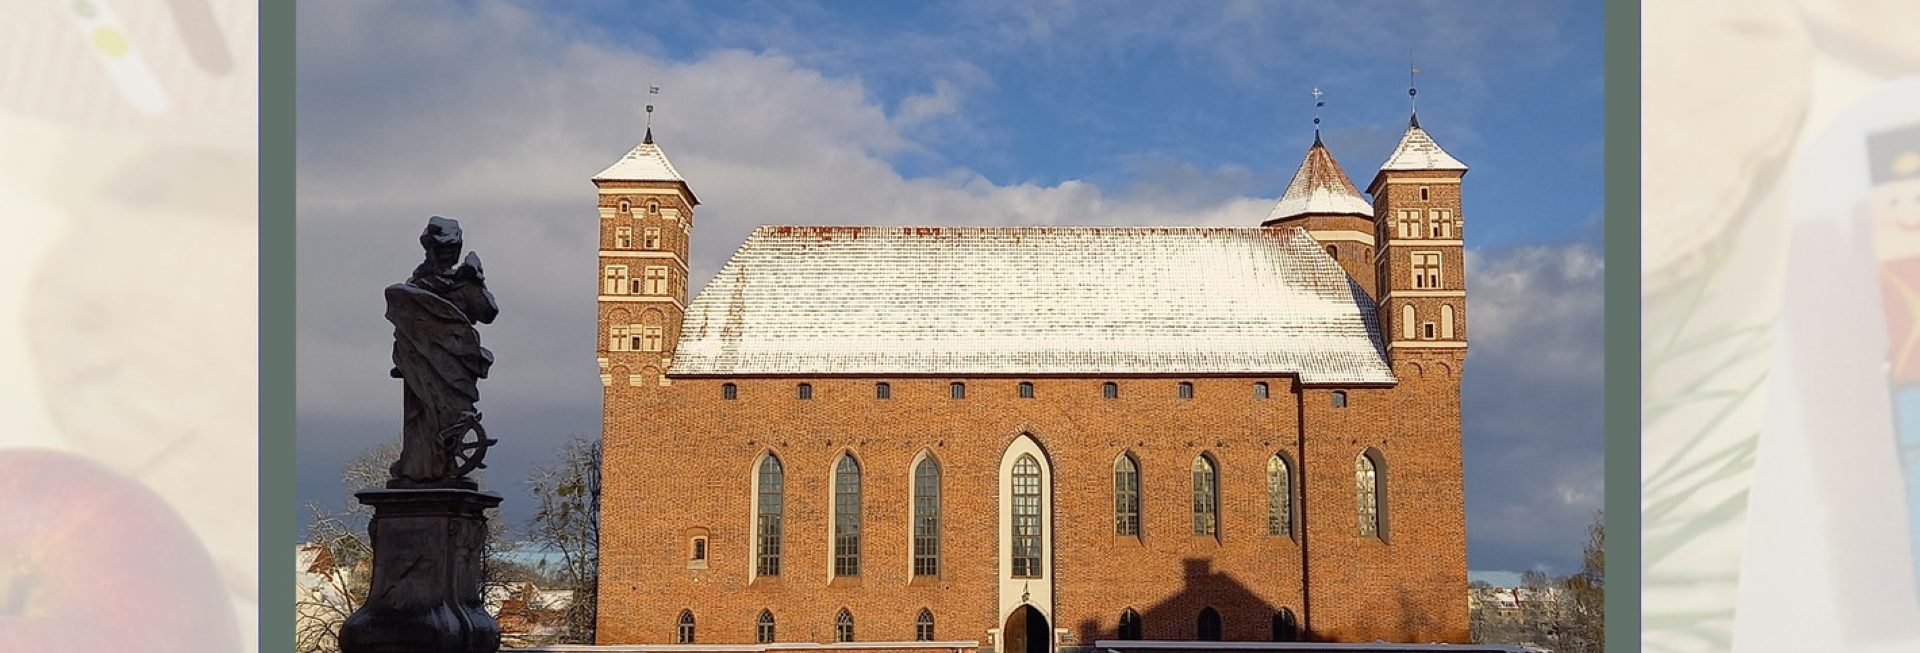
(464,454)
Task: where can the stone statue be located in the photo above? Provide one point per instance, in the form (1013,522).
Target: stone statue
(437,353)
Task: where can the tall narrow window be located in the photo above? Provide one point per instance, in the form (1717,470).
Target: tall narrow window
(958,390)
(846,517)
(843,626)
(923,626)
(685,635)
(1366,482)
(656,280)
(772,482)
(1209,626)
(1260,390)
(623,237)
(1426,270)
(729,392)
(650,238)
(1407,318)
(804,391)
(1446,321)
(1026,389)
(763,627)
(1126,496)
(1026,517)
(1279,497)
(1423,193)
(617,276)
(882,390)
(926,518)
(1129,624)
(1206,504)
(1110,390)
(1186,390)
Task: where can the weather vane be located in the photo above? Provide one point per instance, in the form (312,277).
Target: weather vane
(652,89)
(1317,103)
(1413,90)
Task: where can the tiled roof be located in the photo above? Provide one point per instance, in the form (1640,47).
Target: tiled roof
(644,163)
(1319,187)
(804,300)
(1417,151)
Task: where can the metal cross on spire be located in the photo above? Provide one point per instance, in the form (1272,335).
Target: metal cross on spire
(652,89)
(1317,103)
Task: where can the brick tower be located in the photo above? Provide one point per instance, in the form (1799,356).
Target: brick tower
(1324,201)
(646,218)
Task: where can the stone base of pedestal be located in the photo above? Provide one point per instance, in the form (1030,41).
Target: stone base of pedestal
(425,597)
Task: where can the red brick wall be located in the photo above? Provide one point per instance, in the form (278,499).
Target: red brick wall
(680,457)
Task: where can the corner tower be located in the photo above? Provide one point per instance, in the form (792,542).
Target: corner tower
(1421,281)
(1324,201)
(646,221)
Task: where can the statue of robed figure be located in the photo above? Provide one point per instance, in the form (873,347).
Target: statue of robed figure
(437,353)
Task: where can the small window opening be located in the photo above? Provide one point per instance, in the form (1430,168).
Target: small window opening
(1110,390)
(1339,399)
(1026,389)
(806,391)
(1186,390)
(699,549)
(958,390)
(1260,390)
(1423,193)
(729,392)
(882,390)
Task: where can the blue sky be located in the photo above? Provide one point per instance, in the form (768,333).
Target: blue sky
(980,113)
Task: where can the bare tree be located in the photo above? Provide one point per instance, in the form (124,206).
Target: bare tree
(1587,594)
(566,521)
(338,556)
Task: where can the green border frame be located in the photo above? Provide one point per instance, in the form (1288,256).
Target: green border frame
(1622,234)
(277,510)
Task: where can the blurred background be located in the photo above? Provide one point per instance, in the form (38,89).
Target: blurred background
(1775,507)
(127,186)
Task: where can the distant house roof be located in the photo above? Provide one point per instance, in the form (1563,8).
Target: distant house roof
(824,300)
(1319,187)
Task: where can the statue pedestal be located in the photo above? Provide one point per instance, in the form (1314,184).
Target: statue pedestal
(428,545)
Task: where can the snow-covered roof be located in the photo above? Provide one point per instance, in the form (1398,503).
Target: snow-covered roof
(1417,151)
(815,300)
(1319,187)
(644,163)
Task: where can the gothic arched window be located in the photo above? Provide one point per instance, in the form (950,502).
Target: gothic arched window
(1129,624)
(1446,320)
(923,626)
(926,518)
(843,626)
(1407,319)
(1279,497)
(763,628)
(1126,496)
(1026,517)
(768,512)
(685,634)
(1209,626)
(1206,498)
(1285,627)
(1366,480)
(846,517)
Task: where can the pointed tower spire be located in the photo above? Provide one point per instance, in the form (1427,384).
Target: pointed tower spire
(1413,94)
(651,90)
(1317,103)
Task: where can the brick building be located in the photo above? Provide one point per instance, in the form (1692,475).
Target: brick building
(1036,438)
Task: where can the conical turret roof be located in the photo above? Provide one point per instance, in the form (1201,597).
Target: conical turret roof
(1319,187)
(1417,151)
(645,162)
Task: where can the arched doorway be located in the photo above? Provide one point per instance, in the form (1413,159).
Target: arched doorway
(1026,632)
